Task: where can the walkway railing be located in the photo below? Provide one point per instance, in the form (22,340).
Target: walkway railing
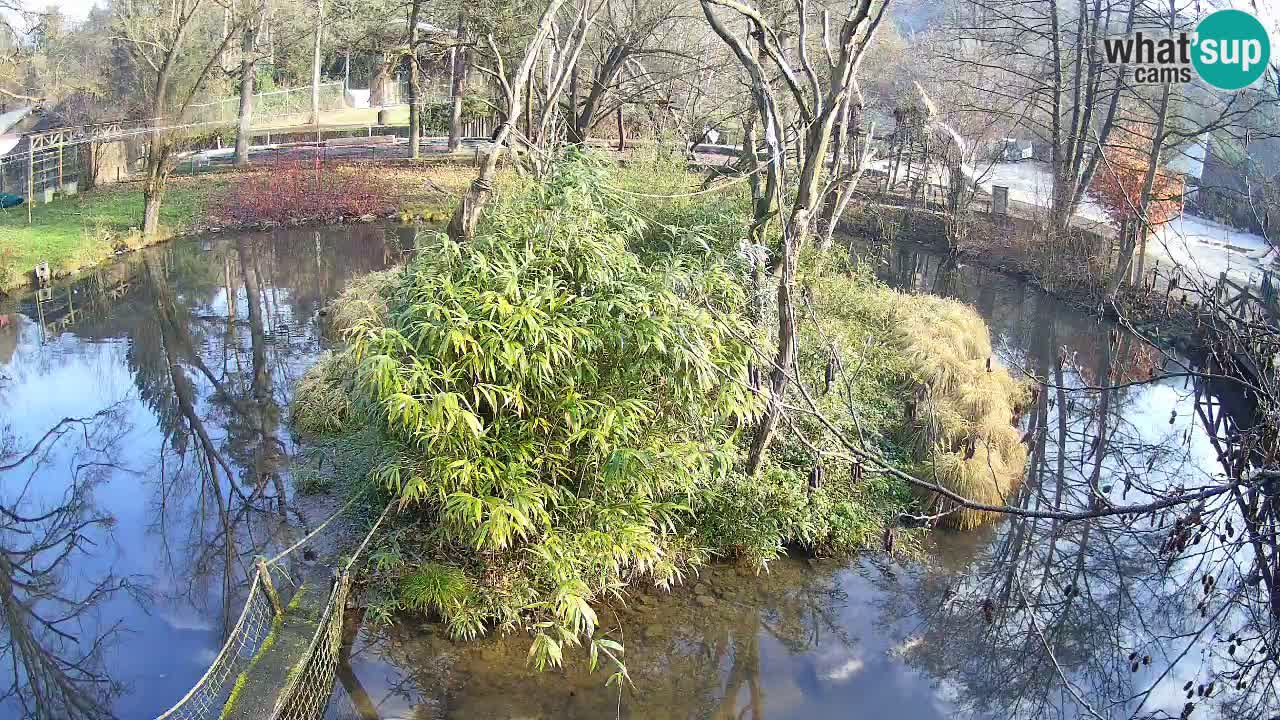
(210,693)
(309,685)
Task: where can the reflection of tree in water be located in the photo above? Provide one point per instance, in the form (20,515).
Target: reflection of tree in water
(219,479)
(686,658)
(51,639)
(217,332)
(221,334)
(1107,617)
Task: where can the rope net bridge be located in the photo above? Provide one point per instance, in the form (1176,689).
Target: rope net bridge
(252,654)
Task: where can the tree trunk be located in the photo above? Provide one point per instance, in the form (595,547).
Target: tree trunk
(528,110)
(783,361)
(574,102)
(457,86)
(153,194)
(415,112)
(248,68)
(828,217)
(622,132)
(584,117)
(378,86)
(315,65)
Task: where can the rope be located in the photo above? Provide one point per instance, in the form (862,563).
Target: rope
(319,527)
(369,536)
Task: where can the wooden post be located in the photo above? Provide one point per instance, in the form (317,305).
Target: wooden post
(622,131)
(268,586)
(31,178)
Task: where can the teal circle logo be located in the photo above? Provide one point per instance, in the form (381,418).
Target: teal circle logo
(1232,49)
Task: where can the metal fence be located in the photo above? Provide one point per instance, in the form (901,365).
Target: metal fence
(277,104)
(43,172)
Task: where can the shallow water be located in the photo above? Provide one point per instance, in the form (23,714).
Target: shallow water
(173,362)
(181,359)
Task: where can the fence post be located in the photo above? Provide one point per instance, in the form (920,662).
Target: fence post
(268,586)
(31,177)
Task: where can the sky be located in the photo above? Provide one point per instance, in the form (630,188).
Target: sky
(72,9)
(1267,10)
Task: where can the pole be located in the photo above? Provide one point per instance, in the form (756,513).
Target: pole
(268,586)
(31,178)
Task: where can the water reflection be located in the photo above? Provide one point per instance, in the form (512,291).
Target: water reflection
(1033,618)
(127,537)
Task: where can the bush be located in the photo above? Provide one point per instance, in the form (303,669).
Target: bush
(962,421)
(553,406)
(301,190)
(559,405)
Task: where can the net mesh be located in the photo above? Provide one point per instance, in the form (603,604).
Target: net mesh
(210,693)
(311,683)
(277,105)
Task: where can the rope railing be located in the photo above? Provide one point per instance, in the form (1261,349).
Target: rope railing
(207,697)
(310,685)
(307,688)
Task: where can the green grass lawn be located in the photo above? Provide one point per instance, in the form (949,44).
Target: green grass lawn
(74,233)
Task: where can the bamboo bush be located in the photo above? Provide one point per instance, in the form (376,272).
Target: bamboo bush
(561,407)
(552,408)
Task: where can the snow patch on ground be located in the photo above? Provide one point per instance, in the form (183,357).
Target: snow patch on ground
(1210,248)
(13,117)
(1031,182)
(1195,243)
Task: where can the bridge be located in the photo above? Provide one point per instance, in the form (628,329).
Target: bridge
(280,660)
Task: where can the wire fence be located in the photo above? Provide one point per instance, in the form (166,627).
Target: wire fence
(275,105)
(50,165)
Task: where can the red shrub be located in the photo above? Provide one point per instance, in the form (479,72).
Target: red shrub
(1118,188)
(304,190)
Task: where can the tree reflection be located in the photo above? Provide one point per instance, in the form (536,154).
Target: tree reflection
(52,639)
(1122,616)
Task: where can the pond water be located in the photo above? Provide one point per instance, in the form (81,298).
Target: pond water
(175,366)
(125,544)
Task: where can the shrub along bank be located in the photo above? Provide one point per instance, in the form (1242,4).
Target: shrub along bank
(561,406)
(74,233)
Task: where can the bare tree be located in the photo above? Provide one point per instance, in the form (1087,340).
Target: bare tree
(630,30)
(817,105)
(175,49)
(514,88)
